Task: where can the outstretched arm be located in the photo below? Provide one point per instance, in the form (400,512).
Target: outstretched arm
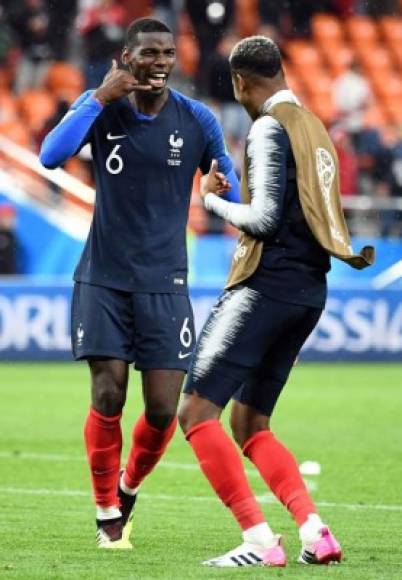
(216,149)
(267,149)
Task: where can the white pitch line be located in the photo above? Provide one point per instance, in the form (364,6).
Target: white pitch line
(63,457)
(267,499)
(80,458)
(312,485)
(80,493)
(40,456)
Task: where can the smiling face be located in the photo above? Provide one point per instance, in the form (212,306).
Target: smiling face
(151,59)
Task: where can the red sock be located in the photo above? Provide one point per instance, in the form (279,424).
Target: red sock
(149,444)
(224,470)
(103,441)
(280,471)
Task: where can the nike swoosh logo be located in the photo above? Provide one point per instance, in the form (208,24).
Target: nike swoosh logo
(111,137)
(185,355)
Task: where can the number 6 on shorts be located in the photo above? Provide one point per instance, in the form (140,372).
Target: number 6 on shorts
(185,334)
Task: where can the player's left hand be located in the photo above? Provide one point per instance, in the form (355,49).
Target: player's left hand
(214,181)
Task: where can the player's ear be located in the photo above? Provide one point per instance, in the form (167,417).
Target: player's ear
(238,81)
(125,56)
(241,82)
(238,85)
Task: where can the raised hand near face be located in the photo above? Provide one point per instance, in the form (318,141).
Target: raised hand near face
(116,84)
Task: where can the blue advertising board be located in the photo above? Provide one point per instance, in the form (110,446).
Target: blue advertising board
(358,324)
(34,320)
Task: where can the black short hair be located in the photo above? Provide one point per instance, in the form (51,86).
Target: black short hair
(144,25)
(256,55)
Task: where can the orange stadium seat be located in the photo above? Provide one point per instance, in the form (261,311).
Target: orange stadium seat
(376,59)
(291,76)
(302,53)
(391,28)
(361,30)
(36,106)
(389,101)
(396,51)
(387,85)
(187,53)
(5,78)
(65,81)
(308,74)
(324,109)
(320,86)
(327,28)
(393,108)
(184,25)
(8,107)
(247,17)
(339,57)
(293,80)
(362,49)
(16,131)
(397,54)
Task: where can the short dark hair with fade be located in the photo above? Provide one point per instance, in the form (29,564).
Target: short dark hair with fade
(144,25)
(256,55)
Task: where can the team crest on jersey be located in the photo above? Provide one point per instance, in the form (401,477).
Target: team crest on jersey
(176,143)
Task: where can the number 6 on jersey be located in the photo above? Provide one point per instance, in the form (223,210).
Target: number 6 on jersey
(114,163)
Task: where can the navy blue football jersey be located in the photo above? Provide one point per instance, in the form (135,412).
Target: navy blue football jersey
(144,168)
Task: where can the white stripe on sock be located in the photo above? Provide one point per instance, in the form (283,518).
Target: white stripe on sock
(125,488)
(309,532)
(261,534)
(107,513)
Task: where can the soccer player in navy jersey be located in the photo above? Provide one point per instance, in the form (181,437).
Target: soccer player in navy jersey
(249,343)
(130,301)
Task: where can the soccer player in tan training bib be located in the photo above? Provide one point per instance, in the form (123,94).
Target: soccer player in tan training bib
(291,221)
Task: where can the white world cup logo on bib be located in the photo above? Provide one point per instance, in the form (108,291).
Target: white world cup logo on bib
(326,171)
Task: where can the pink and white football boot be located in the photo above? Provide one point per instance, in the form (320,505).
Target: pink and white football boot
(324,550)
(248,554)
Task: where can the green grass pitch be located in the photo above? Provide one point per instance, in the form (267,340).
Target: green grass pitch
(346,417)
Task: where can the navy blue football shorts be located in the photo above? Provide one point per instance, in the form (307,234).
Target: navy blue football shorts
(155,331)
(247,348)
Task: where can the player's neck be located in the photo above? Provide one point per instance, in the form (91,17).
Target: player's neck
(147,104)
(261,94)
